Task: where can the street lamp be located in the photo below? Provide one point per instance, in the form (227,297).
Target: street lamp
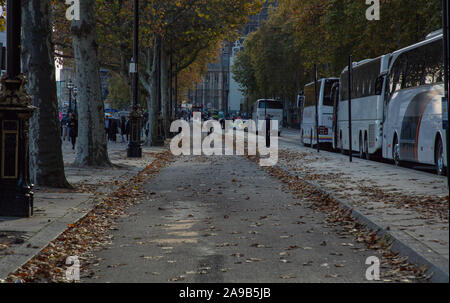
(134,149)
(70,87)
(75,92)
(16,197)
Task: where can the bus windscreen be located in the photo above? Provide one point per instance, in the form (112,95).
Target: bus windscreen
(327,100)
(271,104)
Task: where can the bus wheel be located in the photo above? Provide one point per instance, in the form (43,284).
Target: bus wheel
(439,158)
(361,148)
(308,144)
(341,144)
(396,152)
(366,149)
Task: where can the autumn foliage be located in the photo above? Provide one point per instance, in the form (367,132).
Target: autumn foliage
(278,59)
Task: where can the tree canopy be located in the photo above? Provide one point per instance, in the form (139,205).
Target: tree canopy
(278,58)
(190,29)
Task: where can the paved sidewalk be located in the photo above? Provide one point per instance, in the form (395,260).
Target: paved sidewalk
(225,221)
(410,205)
(55,209)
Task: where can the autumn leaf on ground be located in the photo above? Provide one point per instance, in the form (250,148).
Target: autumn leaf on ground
(309,263)
(331,276)
(287,277)
(176,279)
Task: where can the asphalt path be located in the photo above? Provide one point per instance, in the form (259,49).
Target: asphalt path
(223,219)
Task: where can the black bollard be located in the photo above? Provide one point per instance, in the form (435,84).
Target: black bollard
(267,131)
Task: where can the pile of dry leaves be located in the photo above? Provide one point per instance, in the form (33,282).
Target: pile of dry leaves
(395,268)
(89,234)
(430,207)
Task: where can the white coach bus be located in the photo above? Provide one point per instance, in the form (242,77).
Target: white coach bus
(413,129)
(273,108)
(308,127)
(367,108)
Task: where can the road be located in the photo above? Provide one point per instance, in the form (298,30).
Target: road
(223,219)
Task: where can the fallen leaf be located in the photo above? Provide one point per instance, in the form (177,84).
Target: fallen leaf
(287,277)
(180,278)
(331,276)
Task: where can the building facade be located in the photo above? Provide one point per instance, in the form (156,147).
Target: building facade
(218,91)
(212,92)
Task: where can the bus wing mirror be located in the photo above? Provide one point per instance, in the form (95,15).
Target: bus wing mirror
(379,85)
(334,91)
(300,101)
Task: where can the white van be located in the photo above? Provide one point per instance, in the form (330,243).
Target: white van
(308,126)
(264,107)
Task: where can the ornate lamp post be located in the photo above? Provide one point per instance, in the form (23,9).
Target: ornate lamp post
(70,87)
(16,197)
(134,146)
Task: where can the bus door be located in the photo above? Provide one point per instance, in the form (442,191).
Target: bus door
(382,81)
(335,99)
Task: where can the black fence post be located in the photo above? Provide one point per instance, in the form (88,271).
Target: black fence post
(316,97)
(350,70)
(445,29)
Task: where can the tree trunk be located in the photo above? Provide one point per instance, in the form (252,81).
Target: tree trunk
(46,161)
(175,105)
(91,145)
(165,86)
(153,107)
(171,116)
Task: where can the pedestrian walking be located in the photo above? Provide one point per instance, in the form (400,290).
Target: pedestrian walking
(144,125)
(127,129)
(64,127)
(68,119)
(107,125)
(114,130)
(73,130)
(123,125)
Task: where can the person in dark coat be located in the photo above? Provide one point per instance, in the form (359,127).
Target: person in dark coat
(114,130)
(128,129)
(144,128)
(65,127)
(107,125)
(123,124)
(73,133)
